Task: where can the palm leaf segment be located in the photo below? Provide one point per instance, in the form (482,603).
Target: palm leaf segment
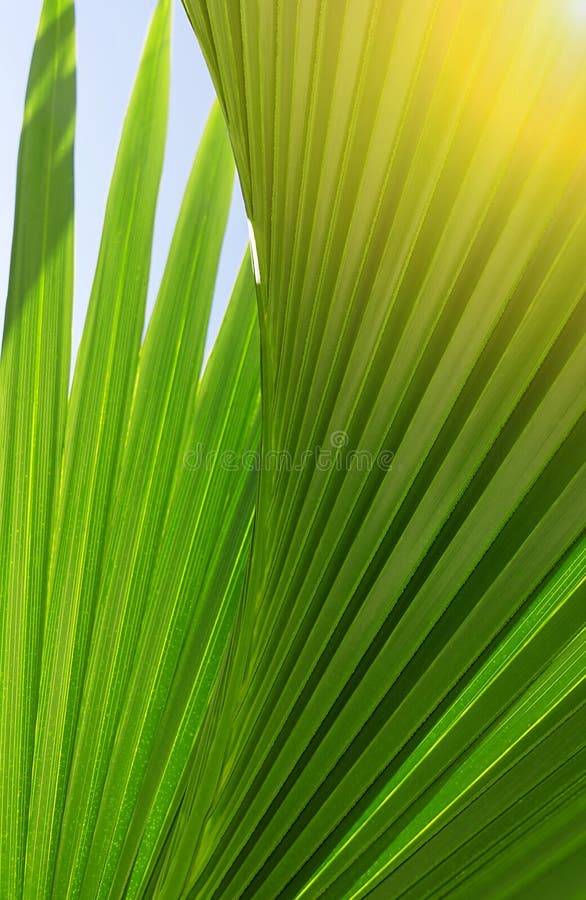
(403,712)
(121,559)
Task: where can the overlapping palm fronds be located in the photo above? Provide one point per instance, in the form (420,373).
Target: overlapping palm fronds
(337,646)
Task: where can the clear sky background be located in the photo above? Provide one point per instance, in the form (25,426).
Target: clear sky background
(110,37)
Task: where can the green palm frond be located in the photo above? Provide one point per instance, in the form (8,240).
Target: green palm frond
(412,636)
(123,552)
(34,375)
(330,642)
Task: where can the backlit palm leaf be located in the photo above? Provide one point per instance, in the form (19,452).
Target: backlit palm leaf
(123,531)
(364,674)
(34,373)
(408,671)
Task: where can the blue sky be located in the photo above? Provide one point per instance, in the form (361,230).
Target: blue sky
(110,35)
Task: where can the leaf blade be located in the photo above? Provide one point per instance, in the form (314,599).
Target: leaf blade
(98,407)
(414,245)
(34,373)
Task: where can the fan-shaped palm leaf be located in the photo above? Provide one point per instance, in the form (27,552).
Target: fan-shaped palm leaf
(404,703)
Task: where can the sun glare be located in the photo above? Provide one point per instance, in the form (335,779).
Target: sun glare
(579,10)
